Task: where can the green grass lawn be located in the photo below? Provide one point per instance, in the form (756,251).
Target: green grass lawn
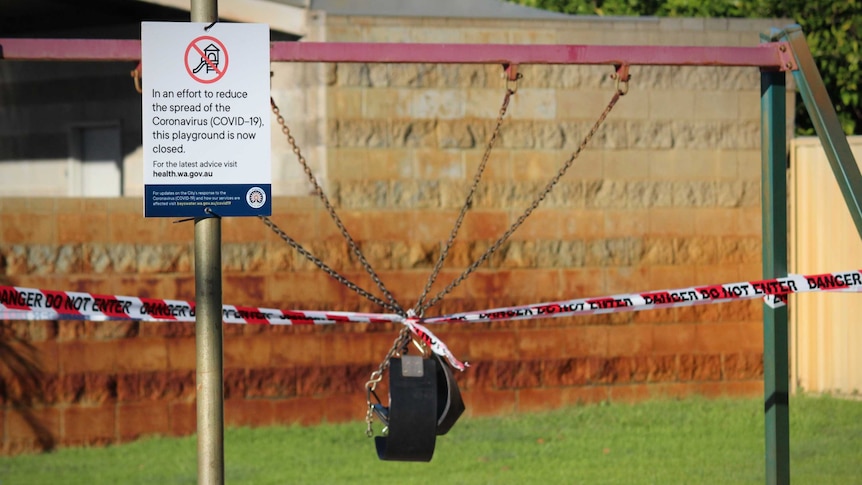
(663,442)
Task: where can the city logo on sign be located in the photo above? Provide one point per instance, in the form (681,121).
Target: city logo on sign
(255,197)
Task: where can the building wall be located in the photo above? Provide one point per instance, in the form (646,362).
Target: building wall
(666,195)
(43,106)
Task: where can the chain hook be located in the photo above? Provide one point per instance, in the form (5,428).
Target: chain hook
(621,79)
(536,201)
(510,72)
(136,76)
(398,347)
(512,76)
(392,303)
(370,387)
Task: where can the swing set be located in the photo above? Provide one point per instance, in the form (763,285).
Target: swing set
(424,400)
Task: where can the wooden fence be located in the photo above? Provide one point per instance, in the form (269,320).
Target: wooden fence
(826,329)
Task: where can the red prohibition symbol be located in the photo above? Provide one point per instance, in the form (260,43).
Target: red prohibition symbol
(206,59)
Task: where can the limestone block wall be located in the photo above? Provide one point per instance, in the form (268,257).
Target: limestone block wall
(665,195)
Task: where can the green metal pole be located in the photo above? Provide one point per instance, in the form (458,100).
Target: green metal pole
(208,325)
(776,379)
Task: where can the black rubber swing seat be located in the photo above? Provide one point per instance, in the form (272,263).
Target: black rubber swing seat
(424,401)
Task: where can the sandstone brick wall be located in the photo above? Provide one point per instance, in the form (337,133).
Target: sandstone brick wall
(666,195)
(107,381)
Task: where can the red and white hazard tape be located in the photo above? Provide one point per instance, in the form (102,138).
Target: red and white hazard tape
(35,304)
(774,292)
(435,344)
(18,303)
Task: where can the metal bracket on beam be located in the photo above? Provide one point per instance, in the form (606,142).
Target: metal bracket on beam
(788,61)
(511,72)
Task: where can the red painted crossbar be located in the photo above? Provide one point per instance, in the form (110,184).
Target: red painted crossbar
(70,50)
(766,55)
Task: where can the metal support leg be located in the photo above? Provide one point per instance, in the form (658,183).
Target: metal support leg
(208,325)
(775,329)
(825,120)
(209,347)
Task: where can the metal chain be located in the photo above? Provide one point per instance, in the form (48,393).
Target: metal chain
(404,335)
(468,203)
(397,347)
(319,190)
(320,264)
(620,91)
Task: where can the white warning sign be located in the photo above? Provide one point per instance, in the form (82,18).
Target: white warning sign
(206,134)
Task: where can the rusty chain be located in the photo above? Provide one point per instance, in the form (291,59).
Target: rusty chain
(468,202)
(393,304)
(320,264)
(421,305)
(621,89)
(401,341)
(404,336)
(398,347)
(419,309)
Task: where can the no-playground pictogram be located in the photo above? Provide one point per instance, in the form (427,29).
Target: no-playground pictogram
(206,59)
